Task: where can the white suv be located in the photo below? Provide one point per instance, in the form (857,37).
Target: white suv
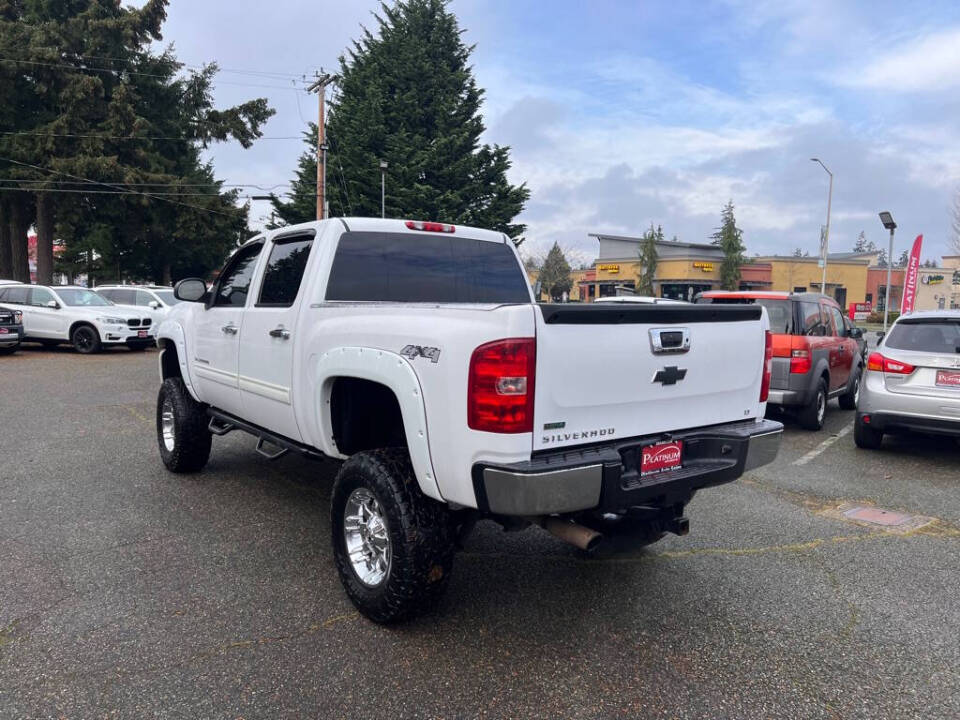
(155,300)
(52,315)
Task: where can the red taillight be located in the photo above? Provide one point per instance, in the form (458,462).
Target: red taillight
(500,386)
(800,361)
(880,363)
(430,226)
(767,367)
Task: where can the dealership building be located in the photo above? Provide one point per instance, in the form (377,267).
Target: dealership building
(685,269)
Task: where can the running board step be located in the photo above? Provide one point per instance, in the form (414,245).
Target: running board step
(219,426)
(222,423)
(274,455)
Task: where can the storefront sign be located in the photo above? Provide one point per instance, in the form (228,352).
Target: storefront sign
(932,279)
(860,311)
(705,266)
(612,269)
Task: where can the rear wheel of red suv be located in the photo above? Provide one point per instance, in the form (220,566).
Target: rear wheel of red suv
(811,416)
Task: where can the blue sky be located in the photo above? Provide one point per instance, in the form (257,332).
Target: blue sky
(620,114)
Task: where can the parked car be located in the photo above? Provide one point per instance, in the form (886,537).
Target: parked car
(415,353)
(817,353)
(154,300)
(912,381)
(53,315)
(11,330)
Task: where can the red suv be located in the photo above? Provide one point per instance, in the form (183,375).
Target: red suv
(816,351)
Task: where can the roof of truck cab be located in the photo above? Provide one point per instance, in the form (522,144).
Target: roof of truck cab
(721,294)
(365,224)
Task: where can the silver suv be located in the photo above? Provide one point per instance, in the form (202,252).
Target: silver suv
(912,381)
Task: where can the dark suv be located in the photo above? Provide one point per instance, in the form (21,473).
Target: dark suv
(817,352)
(11,330)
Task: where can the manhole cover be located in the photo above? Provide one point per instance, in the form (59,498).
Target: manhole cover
(876,516)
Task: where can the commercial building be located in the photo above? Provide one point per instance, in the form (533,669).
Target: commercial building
(846,275)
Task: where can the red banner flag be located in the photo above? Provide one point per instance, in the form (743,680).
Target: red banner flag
(910,278)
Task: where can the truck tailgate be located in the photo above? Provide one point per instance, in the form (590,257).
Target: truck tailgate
(600,376)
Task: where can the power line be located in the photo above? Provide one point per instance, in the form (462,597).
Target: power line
(113,71)
(97,182)
(265,188)
(156,195)
(29,133)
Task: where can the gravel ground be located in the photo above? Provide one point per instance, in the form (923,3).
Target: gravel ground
(128,592)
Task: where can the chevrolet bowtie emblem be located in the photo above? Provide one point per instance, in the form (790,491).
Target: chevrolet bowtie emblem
(670,374)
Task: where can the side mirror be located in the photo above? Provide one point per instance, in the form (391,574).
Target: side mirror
(855,333)
(53,304)
(153,304)
(190,290)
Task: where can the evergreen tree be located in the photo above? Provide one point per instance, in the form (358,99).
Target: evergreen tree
(797,252)
(861,244)
(904,259)
(94,102)
(648,260)
(730,239)
(881,258)
(555,274)
(407,95)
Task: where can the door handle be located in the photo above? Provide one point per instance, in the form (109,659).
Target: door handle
(230,329)
(280,332)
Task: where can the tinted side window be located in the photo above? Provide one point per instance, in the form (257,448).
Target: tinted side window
(234,283)
(39,297)
(17,296)
(839,328)
(123,297)
(396,267)
(284,272)
(144,298)
(812,320)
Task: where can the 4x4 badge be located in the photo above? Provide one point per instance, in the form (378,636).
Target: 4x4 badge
(669,375)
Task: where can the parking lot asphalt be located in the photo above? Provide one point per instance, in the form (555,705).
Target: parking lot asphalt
(126,591)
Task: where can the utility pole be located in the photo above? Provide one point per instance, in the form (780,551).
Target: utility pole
(826,236)
(320,87)
(383,188)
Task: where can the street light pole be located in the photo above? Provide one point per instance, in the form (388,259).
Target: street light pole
(826,234)
(383,188)
(887,219)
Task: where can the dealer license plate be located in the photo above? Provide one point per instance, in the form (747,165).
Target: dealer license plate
(141,333)
(660,457)
(947,378)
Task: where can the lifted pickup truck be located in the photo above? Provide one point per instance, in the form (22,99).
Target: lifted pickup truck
(414,353)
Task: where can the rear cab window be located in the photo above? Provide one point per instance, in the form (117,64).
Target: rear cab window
(925,335)
(779,311)
(397,267)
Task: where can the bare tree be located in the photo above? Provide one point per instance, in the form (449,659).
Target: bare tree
(955,223)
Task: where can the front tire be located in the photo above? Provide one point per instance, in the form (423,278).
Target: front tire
(182,429)
(85,339)
(393,546)
(866,437)
(812,415)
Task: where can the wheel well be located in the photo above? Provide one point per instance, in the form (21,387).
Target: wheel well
(169,362)
(77,324)
(365,415)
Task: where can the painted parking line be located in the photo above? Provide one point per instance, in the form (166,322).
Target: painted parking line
(824,445)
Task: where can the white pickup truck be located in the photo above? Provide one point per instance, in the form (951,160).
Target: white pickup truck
(414,352)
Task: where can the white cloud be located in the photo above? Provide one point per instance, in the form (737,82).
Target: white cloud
(926,64)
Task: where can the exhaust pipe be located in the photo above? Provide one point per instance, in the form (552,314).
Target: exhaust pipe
(574,533)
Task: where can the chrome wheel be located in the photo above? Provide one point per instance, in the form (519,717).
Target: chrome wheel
(166,424)
(821,407)
(366,536)
(856,393)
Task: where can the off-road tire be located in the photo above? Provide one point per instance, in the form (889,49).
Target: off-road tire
(191,437)
(85,339)
(848,401)
(866,437)
(420,529)
(811,417)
